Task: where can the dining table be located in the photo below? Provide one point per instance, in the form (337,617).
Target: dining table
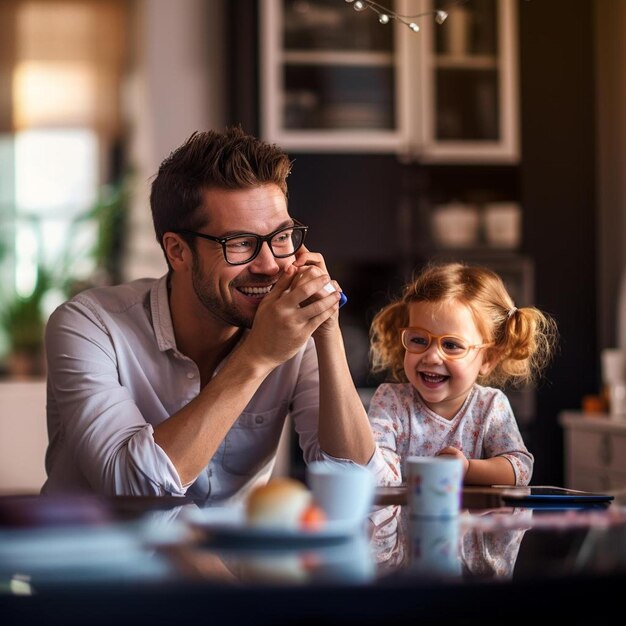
(157,560)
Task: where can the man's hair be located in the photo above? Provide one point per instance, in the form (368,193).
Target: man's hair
(228,160)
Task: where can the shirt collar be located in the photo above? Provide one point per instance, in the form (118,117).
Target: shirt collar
(161,315)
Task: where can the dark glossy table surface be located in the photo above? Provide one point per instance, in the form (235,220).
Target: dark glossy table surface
(156,560)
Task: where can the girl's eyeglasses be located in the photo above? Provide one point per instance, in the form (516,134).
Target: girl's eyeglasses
(418,340)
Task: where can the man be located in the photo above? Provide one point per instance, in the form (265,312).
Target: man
(181,385)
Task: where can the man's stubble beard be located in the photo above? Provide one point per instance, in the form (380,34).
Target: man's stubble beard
(213,303)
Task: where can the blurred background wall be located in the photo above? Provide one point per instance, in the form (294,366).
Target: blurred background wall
(95,93)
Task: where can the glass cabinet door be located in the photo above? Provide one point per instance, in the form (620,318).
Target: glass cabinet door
(469,72)
(329,77)
(336,79)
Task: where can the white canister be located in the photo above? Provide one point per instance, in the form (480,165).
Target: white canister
(614,379)
(503,224)
(455,225)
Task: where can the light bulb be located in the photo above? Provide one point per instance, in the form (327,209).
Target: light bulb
(440,17)
(385,15)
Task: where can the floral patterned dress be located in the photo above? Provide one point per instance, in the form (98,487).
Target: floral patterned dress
(404,426)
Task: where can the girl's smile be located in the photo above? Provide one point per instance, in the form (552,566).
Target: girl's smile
(444,383)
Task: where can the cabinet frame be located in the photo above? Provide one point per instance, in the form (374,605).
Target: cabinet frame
(349,140)
(506,148)
(414,97)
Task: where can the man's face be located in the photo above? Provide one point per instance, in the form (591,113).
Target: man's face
(232,293)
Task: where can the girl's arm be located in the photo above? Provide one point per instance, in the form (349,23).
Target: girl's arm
(501,457)
(387,428)
(503,444)
(494,471)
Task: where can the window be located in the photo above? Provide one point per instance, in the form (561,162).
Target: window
(61,69)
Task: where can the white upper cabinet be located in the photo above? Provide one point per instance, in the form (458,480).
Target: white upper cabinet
(333,79)
(330,77)
(467,100)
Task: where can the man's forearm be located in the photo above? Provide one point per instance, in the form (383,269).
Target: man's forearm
(344,430)
(191,436)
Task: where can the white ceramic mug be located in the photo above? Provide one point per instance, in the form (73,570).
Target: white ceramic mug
(434,485)
(344,492)
(613,366)
(502,222)
(455,225)
(614,378)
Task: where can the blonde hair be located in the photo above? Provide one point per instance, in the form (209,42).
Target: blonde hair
(524,339)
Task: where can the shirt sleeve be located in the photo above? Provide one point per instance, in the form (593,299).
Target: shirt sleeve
(388,431)
(112,443)
(503,438)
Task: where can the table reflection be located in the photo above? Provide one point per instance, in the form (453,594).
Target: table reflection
(447,548)
(157,543)
(240,558)
(348,561)
(391,543)
(142,557)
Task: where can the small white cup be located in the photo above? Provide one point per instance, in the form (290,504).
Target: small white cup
(434,486)
(617,400)
(503,224)
(435,546)
(455,225)
(613,366)
(344,492)
(614,378)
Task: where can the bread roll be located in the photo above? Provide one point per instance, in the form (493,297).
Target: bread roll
(281,503)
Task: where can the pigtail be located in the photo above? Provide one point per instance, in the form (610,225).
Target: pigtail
(524,347)
(386,349)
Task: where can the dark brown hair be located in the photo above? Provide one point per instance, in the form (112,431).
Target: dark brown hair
(228,160)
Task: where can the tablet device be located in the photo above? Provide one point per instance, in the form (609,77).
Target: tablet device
(547,495)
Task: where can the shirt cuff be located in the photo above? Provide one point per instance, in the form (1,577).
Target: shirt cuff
(157,467)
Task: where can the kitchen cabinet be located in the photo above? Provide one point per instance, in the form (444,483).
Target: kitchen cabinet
(333,79)
(595,451)
(330,78)
(469,83)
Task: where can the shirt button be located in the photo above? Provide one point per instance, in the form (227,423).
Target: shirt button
(190,375)
(258,419)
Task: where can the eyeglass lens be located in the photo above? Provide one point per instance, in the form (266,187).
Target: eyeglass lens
(284,243)
(418,341)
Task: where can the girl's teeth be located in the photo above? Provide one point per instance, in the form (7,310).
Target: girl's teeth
(433,378)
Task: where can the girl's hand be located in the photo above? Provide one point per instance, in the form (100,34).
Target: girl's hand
(455,452)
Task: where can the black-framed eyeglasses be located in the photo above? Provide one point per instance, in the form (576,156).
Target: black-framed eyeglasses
(242,248)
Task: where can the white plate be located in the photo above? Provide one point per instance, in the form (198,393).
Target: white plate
(229,525)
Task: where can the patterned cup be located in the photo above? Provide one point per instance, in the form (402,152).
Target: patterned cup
(434,486)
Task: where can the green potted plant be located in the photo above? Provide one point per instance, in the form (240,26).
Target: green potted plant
(23,322)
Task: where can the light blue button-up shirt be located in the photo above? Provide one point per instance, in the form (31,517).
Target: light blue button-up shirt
(114,372)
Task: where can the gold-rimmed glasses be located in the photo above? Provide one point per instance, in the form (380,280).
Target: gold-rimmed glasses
(418,340)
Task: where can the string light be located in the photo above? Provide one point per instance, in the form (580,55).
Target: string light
(385,15)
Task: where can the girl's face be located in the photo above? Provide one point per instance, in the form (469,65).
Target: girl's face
(444,384)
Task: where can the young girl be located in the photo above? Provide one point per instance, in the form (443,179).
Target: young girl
(454,326)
